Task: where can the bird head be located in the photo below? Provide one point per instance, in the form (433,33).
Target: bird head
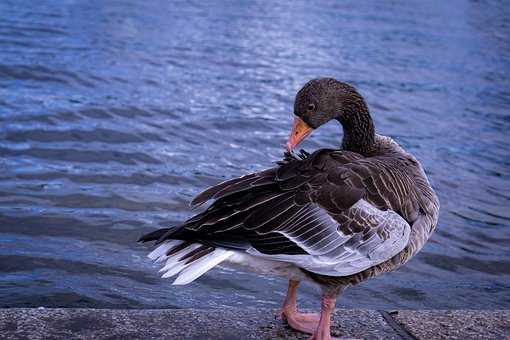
(322,100)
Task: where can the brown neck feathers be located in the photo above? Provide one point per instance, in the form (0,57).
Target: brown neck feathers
(359,130)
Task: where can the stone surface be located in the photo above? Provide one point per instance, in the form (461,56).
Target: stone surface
(42,323)
(457,324)
(176,324)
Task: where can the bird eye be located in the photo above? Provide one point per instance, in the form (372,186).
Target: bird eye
(311,107)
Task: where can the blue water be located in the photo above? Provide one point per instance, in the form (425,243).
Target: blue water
(113,114)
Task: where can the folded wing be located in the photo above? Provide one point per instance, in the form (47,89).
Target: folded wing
(312,211)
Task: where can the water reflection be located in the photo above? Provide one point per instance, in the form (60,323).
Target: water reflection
(113,115)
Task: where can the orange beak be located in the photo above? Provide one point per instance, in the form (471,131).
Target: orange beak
(300,130)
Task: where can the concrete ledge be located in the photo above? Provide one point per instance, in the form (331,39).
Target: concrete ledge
(45,323)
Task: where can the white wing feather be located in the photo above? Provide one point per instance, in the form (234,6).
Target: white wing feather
(337,254)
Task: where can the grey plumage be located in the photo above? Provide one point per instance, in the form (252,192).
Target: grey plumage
(341,216)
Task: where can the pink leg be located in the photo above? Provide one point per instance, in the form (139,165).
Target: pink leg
(323,331)
(306,323)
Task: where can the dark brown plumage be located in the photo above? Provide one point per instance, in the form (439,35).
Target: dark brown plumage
(336,217)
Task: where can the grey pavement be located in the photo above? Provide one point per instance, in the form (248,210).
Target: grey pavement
(230,323)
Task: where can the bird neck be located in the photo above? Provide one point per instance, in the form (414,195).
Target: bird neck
(359,130)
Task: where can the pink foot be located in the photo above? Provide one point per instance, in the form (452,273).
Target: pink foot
(322,332)
(321,336)
(303,322)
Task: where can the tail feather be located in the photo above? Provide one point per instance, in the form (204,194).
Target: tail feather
(176,269)
(188,260)
(202,265)
(196,254)
(160,251)
(154,236)
(174,259)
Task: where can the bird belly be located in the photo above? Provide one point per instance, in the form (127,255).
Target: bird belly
(265,266)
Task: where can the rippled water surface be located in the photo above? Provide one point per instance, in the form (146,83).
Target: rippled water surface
(113,114)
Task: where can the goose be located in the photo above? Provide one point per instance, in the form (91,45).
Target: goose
(335,217)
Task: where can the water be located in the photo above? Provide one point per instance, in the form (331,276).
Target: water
(114,114)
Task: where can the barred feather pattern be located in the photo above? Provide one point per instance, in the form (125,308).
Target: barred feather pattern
(338,215)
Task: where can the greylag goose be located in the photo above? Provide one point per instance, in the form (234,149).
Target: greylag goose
(335,217)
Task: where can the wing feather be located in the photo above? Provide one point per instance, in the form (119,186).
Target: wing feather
(329,212)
